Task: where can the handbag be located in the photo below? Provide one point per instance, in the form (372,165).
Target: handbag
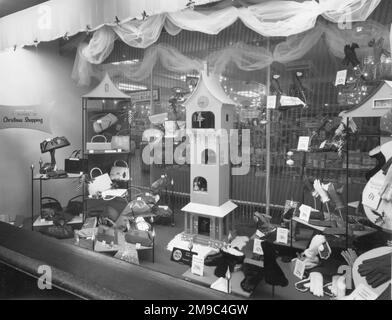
(121,142)
(92,145)
(118,173)
(74,164)
(137,207)
(98,184)
(138,236)
(74,207)
(52,144)
(104,122)
(50,208)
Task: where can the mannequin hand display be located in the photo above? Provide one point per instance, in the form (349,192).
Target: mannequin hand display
(310,188)
(376,270)
(315,243)
(330,188)
(320,190)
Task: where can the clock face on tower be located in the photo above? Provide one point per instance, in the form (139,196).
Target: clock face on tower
(203,102)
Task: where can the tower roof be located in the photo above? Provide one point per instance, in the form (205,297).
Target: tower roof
(105,90)
(211,81)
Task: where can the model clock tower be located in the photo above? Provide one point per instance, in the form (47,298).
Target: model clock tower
(209,117)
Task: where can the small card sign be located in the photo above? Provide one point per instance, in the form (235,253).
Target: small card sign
(304,212)
(197,265)
(257,248)
(182,256)
(372,198)
(363,292)
(303,143)
(341,77)
(282,235)
(299,268)
(128,253)
(271,102)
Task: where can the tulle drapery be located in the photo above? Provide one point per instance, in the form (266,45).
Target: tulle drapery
(245,57)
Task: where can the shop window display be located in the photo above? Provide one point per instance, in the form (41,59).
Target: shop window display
(298,213)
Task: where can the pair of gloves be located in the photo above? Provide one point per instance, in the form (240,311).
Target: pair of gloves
(376,270)
(325,192)
(314,284)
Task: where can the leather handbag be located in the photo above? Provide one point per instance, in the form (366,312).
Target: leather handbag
(74,207)
(118,173)
(121,141)
(52,144)
(98,146)
(50,208)
(104,122)
(138,236)
(74,164)
(100,183)
(136,208)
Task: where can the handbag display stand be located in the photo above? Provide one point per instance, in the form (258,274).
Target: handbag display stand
(105,111)
(42,178)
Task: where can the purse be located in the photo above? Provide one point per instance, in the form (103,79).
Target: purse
(74,207)
(138,236)
(137,208)
(118,173)
(98,146)
(98,184)
(121,142)
(74,164)
(52,144)
(104,122)
(50,208)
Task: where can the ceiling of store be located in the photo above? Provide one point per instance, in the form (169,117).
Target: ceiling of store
(10,6)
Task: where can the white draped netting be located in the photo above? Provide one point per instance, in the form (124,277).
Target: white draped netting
(244,56)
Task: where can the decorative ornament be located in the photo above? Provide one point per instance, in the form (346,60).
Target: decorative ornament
(144,15)
(350,57)
(378,49)
(66,37)
(191,4)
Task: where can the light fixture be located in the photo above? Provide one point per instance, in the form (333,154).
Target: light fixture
(248,94)
(126,62)
(131,87)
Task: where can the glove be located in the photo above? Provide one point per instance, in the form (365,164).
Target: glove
(330,188)
(316,284)
(319,189)
(376,270)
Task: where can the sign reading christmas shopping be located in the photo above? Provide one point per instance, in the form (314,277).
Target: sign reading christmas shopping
(35,117)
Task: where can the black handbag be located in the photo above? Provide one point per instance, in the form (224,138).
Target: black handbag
(74,164)
(74,207)
(50,208)
(52,144)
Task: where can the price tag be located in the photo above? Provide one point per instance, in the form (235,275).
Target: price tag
(257,248)
(372,198)
(303,143)
(304,212)
(341,77)
(363,292)
(197,265)
(299,268)
(260,234)
(282,235)
(271,102)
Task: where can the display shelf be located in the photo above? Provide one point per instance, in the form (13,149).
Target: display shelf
(39,222)
(45,177)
